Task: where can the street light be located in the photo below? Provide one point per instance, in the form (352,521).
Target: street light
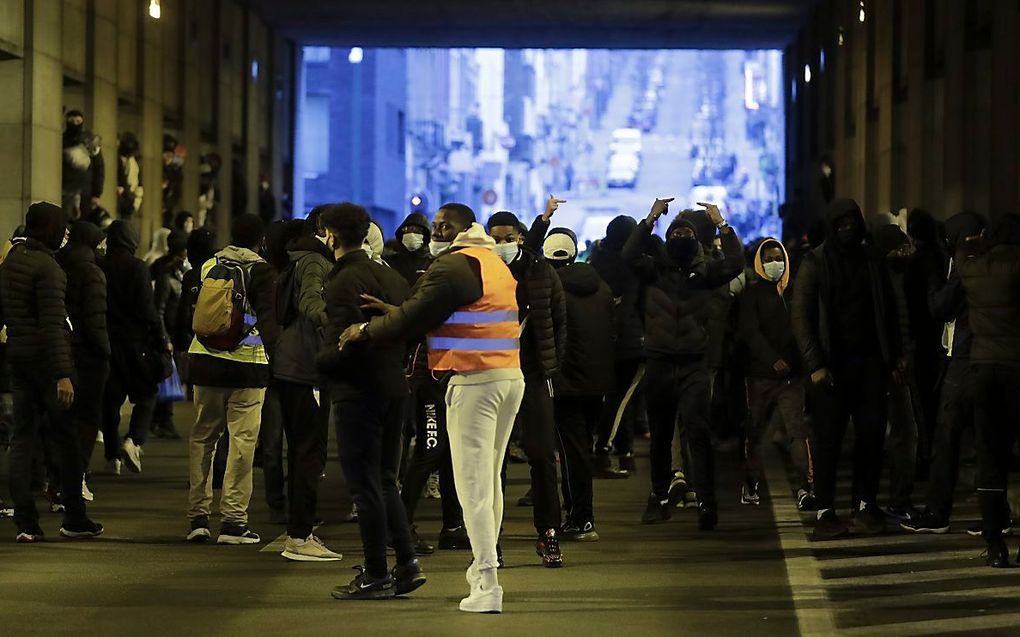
(356,55)
(861,16)
(154,9)
(807,73)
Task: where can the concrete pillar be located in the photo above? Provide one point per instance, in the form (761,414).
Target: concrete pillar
(191,106)
(150,108)
(226,43)
(953,113)
(1005,103)
(881,122)
(253,107)
(101,90)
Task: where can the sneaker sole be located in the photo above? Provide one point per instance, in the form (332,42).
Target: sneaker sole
(199,537)
(942,530)
(29,539)
(1005,532)
(297,557)
(584,537)
(373,596)
(80,535)
(411,586)
(236,541)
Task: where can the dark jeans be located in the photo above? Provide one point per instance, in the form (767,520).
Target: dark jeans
(538,439)
(35,406)
(996,415)
(87,411)
(163,415)
(626,374)
(271,445)
(143,407)
(927,363)
(765,397)
(303,423)
(956,415)
(369,431)
(576,419)
(431,453)
(859,391)
(680,386)
(901,444)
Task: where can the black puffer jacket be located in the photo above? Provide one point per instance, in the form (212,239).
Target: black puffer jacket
(812,310)
(947,300)
(677,306)
(992,284)
(32,288)
(410,265)
(587,368)
(132,315)
(375,368)
(86,293)
(300,340)
(608,261)
(542,303)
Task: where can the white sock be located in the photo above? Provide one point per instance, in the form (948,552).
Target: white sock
(488,580)
(821,512)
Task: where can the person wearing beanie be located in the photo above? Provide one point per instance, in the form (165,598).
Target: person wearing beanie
(32,300)
(90,341)
(230,387)
(584,378)
(543,343)
(852,334)
(168,283)
(410,252)
(679,281)
(616,423)
(775,377)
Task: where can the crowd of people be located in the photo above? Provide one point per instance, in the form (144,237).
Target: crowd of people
(468,339)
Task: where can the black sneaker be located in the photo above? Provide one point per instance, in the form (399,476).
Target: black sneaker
(628,463)
(454,539)
(902,514)
(56,500)
(749,493)
(199,530)
(657,510)
(579,532)
(407,578)
(997,555)
(829,527)
(680,492)
(30,535)
(364,586)
(6,510)
(235,534)
(977,530)
(927,522)
(806,500)
(708,517)
(869,521)
(421,547)
(81,529)
(548,548)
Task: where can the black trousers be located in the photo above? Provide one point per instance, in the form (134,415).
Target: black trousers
(996,416)
(860,391)
(765,397)
(682,386)
(431,453)
(87,411)
(304,424)
(576,420)
(955,416)
(271,446)
(35,406)
(538,439)
(623,442)
(143,408)
(369,432)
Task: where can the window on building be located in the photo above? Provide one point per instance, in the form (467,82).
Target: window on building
(315,135)
(317,54)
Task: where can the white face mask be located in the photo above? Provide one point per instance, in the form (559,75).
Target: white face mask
(413,241)
(507,251)
(436,248)
(774,270)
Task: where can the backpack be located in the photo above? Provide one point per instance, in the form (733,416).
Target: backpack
(219,319)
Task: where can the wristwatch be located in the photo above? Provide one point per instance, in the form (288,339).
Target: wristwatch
(363,331)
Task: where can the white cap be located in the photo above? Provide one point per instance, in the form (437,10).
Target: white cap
(559,246)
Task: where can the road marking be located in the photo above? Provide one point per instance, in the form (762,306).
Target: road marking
(810,598)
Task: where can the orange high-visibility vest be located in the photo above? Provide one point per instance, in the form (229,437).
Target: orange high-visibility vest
(485,334)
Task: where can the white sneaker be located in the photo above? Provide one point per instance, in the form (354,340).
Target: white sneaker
(310,549)
(86,493)
(99,438)
(113,467)
(132,455)
(483,601)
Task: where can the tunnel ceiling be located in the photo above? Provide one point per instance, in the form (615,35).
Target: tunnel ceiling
(538,23)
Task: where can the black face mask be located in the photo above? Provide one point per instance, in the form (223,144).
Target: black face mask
(682,249)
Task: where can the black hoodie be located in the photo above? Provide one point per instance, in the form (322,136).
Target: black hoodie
(991,280)
(132,317)
(86,293)
(607,259)
(588,362)
(845,301)
(411,265)
(946,299)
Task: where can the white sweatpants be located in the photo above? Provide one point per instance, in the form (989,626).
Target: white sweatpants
(479,419)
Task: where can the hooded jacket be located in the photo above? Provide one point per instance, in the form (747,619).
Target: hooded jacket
(373,369)
(544,307)
(607,259)
(588,362)
(86,293)
(131,313)
(991,281)
(819,283)
(947,300)
(32,289)
(299,342)
(765,326)
(677,307)
(411,265)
